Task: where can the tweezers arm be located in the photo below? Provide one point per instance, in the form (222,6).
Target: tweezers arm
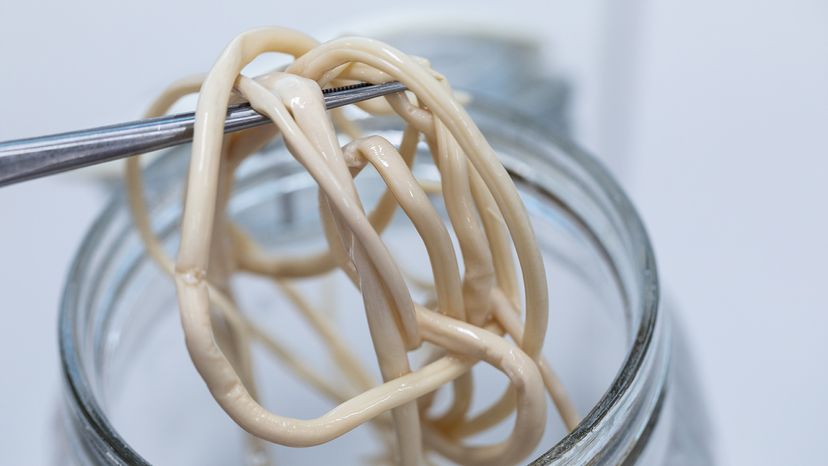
(26,159)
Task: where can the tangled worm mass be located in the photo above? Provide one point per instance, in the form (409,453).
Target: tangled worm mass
(483,315)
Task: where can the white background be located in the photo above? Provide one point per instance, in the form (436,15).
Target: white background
(713,114)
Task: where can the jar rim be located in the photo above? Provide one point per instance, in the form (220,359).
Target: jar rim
(85,403)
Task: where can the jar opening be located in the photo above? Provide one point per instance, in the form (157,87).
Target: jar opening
(580,188)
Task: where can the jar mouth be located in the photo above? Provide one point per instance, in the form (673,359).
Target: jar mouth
(82,397)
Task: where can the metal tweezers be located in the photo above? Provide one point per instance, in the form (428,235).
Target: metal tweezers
(26,159)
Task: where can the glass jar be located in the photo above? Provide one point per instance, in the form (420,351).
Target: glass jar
(132,396)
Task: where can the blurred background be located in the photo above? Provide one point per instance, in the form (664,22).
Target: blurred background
(712,114)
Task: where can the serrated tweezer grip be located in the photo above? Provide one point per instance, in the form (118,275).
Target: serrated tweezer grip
(26,159)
